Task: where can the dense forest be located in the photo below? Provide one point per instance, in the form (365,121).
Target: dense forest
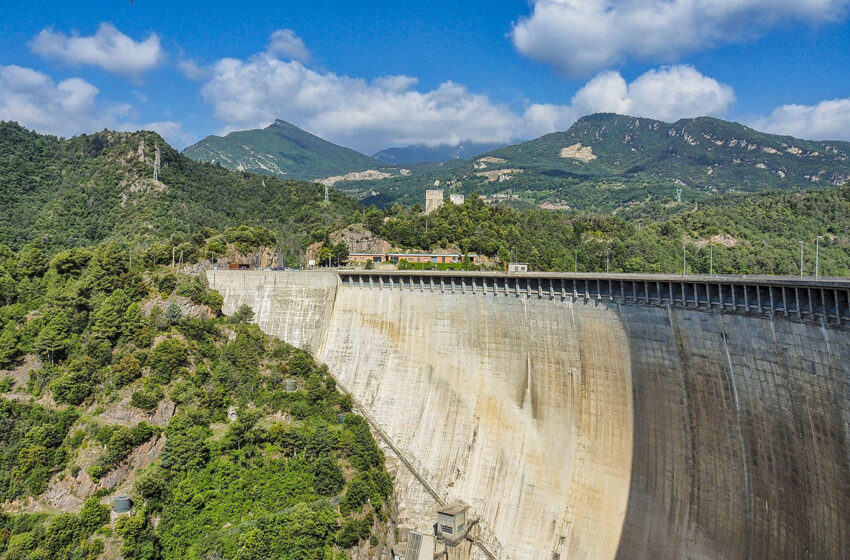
(730,234)
(97,348)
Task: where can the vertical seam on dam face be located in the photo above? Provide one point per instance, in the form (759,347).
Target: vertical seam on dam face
(745,462)
(594,419)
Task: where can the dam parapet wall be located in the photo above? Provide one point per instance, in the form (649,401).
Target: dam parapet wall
(595,417)
(804,299)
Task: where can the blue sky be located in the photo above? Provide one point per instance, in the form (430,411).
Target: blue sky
(376,74)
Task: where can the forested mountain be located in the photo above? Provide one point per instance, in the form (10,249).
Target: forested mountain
(608,161)
(283,150)
(97,187)
(419,153)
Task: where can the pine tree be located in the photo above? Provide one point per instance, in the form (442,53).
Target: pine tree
(133,321)
(8,289)
(8,345)
(53,337)
(110,315)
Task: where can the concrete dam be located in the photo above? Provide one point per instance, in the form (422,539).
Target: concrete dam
(593,416)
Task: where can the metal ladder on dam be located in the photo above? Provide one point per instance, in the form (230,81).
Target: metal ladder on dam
(411,467)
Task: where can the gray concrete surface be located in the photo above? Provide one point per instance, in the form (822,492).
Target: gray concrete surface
(590,428)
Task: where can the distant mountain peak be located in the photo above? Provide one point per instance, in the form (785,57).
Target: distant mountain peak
(281,149)
(421,153)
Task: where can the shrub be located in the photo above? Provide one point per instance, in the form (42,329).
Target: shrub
(146,399)
(167,357)
(243,315)
(173,313)
(127,370)
(353,531)
(328,479)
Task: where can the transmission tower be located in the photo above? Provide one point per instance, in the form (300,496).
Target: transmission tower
(156,164)
(326,194)
(678,196)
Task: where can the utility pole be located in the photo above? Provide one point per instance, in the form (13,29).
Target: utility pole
(607,260)
(576,267)
(817,256)
(326,194)
(801,259)
(684,259)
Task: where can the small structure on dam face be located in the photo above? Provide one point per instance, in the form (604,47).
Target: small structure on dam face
(418,547)
(451,524)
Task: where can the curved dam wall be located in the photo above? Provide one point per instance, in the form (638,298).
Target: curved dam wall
(585,427)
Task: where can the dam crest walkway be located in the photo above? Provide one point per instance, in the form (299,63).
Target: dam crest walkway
(822,300)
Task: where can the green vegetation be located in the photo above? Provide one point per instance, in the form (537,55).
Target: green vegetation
(419,153)
(33,447)
(627,160)
(64,536)
(87,189)
(747,234)
(285,479)
(283,150)
(119,442)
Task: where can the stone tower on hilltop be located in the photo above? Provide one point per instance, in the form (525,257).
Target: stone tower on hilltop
(433,200)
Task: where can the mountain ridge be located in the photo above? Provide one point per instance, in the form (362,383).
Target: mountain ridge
(283,150)
(607,161)
(95,187)
(420,153)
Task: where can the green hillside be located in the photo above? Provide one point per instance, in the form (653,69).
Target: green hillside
(282,150)
(735,233)
(608,161)
(230,465)
(99,187)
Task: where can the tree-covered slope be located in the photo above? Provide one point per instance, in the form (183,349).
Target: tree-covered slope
(283,150)
(734,233)
(120,376)
(607,161)
(97,187)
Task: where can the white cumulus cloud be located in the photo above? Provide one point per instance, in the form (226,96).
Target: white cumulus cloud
(35,100)
(284,42)
(828,120)
(192,70)
(68,107)
(668,93)
(367,115)
(579,37)
(108,49)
